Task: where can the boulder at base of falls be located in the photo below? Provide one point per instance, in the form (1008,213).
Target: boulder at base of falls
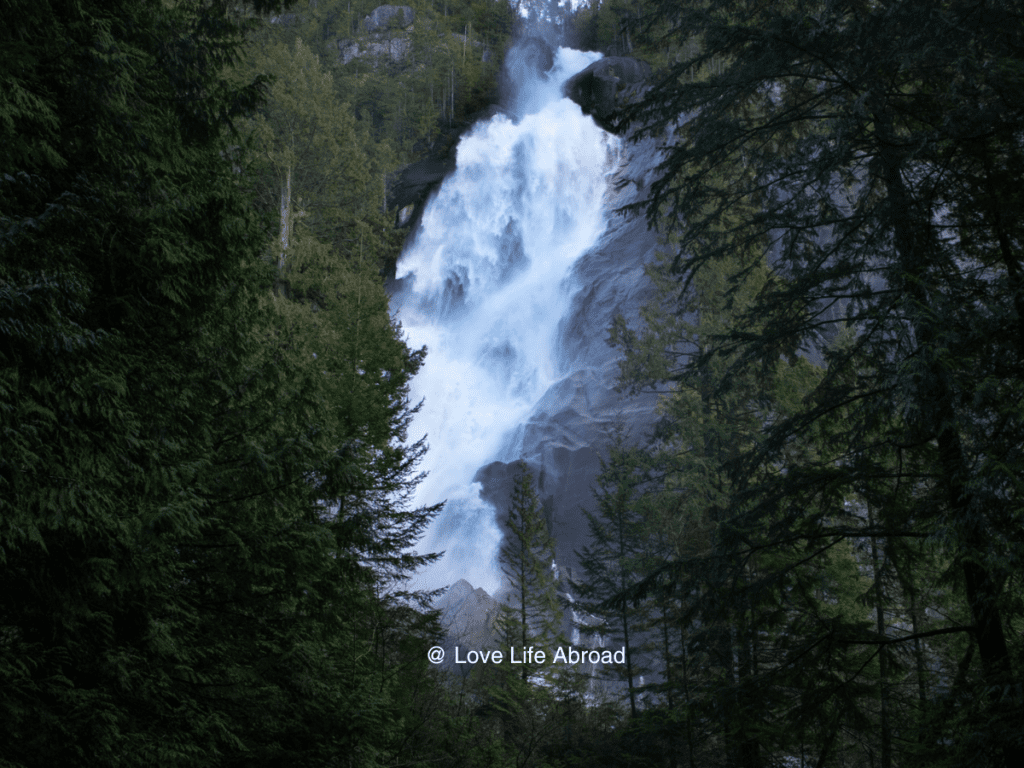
(606,85)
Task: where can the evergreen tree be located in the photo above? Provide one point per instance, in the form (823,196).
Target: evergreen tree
(199,535)
(735,594)
(435,74)
(874,198)
(311,165)
(531,615)
(611,562)
(127,267)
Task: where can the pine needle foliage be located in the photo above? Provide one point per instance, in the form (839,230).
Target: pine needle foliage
(616,560)
(531,614)
(863,151)
(197,530)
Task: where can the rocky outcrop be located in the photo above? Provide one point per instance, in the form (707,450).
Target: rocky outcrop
(467,616)
(467,612)
(386,37)
(387,17)
(378,47)
(606,85)
(413,184)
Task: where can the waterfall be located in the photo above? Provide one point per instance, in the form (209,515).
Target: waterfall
(484,284)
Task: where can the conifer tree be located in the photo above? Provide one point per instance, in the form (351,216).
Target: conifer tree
(531,614)
(728,590)
(179,586)
(611,563)
(871,141)
(128,314)
(310,164)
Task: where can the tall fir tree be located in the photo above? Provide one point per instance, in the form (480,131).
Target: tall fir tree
(729,574)
(612,562)
(871,141)
(179,583)
(531,614)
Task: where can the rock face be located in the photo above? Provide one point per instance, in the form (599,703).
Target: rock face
(382,43)
(564,438)
(467,616)
(606,85)
(395,49)
(386,17)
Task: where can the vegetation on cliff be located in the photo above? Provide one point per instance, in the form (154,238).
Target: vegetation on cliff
(205,468)
(839,331)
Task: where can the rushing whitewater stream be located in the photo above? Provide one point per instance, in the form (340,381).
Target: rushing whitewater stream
(484,284)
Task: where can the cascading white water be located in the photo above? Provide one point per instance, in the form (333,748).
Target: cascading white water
(484,284)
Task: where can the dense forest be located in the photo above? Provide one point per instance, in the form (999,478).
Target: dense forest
(206,471)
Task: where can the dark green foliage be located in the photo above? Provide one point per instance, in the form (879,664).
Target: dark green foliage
(112,281)
(609,26)
(199,549)
(306,141)
(446,72)
(859,150)
(731,604)
(616,559)
(531,614)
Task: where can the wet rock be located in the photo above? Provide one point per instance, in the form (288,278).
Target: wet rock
(566,435)
(415,181)
(606,85)
(404,216)
(412,185)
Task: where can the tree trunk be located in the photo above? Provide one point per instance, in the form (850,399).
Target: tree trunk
(286,217)
(982,593)
(883,656)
